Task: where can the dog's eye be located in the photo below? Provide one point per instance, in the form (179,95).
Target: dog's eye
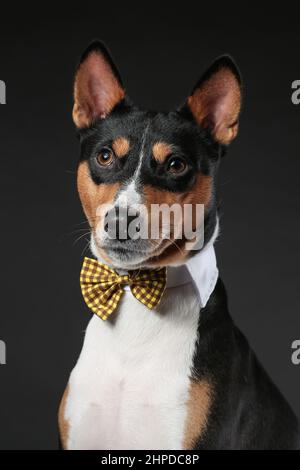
(176,166)
(105,157)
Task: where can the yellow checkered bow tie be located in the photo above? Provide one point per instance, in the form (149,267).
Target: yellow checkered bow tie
(102,288)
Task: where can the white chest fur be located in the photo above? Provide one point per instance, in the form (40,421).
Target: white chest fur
(130,386)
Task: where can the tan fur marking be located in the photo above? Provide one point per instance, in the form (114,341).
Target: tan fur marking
(93,195)
(121,146)
(63,424)
(161,150)
(200,193)
(170,253)
(198,407)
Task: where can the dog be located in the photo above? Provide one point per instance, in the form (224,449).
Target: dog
(179,375)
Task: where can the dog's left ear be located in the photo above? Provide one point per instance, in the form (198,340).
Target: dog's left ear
(215,101)
(98,86)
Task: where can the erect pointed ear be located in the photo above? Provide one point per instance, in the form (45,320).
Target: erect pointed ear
(98,86)
(215,102)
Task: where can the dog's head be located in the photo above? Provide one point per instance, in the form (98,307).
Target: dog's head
(135,164)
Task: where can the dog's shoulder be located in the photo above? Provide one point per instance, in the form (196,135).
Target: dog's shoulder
(246,411)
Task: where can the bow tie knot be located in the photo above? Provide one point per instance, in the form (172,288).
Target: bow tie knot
(102,288)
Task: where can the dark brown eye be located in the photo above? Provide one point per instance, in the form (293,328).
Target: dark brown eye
(105,157)
(176,166)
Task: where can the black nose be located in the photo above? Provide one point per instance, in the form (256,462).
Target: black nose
(119,223)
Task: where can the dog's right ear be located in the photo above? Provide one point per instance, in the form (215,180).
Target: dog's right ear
(215,101)
(98,86)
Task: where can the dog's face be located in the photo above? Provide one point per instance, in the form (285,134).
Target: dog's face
(134,160)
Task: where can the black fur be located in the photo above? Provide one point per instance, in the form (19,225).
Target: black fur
(248,411)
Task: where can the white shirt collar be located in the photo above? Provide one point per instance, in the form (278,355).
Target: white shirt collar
(201,270)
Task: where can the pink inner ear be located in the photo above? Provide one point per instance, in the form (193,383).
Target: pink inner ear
(225,110)
(216,105)
(226,116)
(97,90)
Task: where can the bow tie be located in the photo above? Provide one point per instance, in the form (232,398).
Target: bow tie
(102,288)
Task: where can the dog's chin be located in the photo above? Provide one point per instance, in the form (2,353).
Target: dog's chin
(121,257)
(127,259)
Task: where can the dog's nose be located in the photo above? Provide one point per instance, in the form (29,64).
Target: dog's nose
(120,223)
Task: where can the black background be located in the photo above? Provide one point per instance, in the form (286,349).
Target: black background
(161,51)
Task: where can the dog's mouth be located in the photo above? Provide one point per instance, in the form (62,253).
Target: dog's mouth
(128,254)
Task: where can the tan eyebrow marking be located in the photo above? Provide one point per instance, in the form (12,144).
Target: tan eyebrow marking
(121,146)
(161,150)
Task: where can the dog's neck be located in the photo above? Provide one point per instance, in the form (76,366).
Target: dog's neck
(200,270)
